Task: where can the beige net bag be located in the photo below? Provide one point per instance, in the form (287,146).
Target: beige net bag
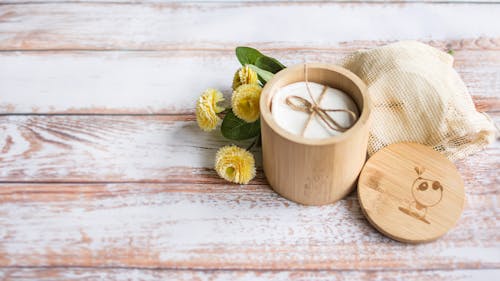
(418,97)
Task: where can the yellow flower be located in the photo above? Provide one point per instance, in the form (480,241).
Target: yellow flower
(235,164)
(244,75)
(245,102)
(207,109)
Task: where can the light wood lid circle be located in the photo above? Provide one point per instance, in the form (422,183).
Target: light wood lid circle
(411,193)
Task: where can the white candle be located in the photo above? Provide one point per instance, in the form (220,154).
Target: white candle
(294,121)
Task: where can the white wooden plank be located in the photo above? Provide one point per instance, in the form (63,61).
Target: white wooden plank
(223,25)
(170,82)
(190,226)
(119,274)
(106,148)
(139,148)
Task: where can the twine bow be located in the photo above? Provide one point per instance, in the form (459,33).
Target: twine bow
(312,108)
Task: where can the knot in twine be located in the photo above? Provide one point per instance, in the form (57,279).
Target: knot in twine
(312,108)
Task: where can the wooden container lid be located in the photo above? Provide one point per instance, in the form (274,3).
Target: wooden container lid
(411,193)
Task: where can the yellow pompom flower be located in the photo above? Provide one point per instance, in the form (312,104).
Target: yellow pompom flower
(244,75)
(235,164)
(207,109)
(245,102)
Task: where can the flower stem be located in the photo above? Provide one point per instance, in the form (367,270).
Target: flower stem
(223,113)
(254,142)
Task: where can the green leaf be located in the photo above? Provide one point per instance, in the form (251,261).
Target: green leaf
(269,64)
(247,55)
(265,75)
(234,128)
(278,62)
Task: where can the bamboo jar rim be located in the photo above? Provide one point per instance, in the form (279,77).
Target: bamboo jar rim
(319,73)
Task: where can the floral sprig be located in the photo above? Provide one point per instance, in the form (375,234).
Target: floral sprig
(241,120)
(207,109)
(245,102)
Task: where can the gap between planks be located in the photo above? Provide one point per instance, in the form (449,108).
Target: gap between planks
(484,43)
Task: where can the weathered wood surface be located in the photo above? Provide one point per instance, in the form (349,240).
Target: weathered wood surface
(169,82)
(119,274)
(199,226)
(166,148)
(181,49)
(195,26)
(119,185)
(193,225)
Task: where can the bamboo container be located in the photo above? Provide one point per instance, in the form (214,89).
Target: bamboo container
(314,171)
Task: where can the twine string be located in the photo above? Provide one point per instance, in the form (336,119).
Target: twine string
(312,108)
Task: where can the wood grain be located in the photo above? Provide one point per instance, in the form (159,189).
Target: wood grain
(134,148)
(169,82)
(411,193)
(86,197)
(166,148)
(199,226)
(176,44)
(119,274)
(195,26)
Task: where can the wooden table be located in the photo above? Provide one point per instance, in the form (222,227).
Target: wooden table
(105,175)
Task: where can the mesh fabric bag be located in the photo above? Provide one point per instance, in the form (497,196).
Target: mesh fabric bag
(418,97)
